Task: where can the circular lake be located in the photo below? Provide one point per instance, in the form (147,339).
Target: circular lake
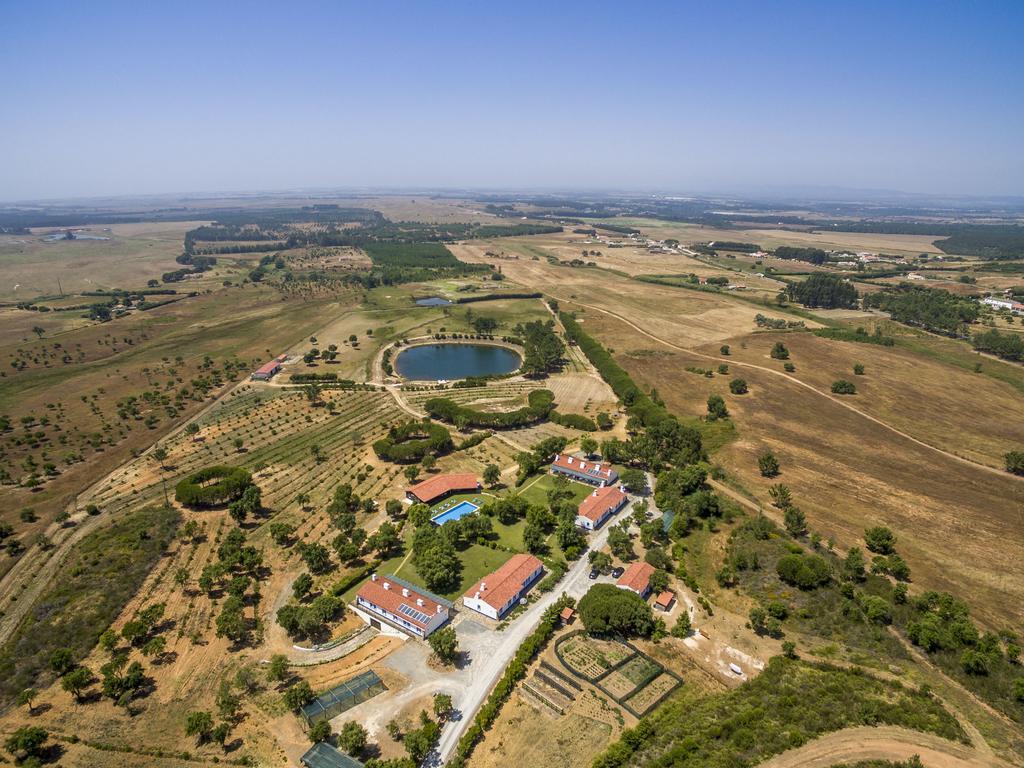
(432,362)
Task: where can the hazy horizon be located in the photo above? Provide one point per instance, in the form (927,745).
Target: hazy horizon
(114,100)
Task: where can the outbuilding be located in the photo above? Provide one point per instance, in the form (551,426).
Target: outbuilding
(496,594)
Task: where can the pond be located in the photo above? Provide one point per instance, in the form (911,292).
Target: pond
(434,362)
(432,301)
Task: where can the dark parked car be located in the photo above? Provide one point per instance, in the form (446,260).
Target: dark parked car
(594,573)
(617,572)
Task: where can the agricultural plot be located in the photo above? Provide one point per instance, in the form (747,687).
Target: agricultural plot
(650,694)
(631,676)
(590,657)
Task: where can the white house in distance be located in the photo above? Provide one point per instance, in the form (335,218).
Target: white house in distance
(1014,306)
(395,603)
(575,468)
(495,594)
(599,506)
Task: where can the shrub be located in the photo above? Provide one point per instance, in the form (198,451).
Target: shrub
(738,386)
(1015,462)
(803,571)
(843,387)
(779,351)
(768,464)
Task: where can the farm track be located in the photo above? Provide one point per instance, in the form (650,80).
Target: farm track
(793,380)
(883,743)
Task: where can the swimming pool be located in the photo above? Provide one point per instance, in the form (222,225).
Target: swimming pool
(461,509)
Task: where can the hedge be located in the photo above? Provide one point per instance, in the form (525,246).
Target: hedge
(232,482)
(540,403)
(399,447)
(637,403)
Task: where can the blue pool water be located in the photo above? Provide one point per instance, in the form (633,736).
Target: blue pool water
(461,509)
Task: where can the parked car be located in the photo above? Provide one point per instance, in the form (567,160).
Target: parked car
(594,573)
(617,572)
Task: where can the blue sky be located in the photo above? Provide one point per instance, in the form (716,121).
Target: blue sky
(134,98)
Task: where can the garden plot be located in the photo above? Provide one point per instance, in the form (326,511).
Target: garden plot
(627,679)
(641,702)
(590,657)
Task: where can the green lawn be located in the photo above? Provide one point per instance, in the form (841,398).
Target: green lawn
(536,491)
(477,561)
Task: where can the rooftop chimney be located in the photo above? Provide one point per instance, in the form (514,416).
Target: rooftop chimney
(405,592)
(419,601)
(483,585)
(374,577)
(386,585)
(440,608)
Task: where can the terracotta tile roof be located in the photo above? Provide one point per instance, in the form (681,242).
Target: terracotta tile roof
(269,368)
(567,613)
(636,577)
(665,599)
(498,588)
(431,489)
(385,593)
(600,501)
(595,469)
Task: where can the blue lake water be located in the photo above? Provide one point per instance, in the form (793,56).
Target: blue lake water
(431,362)
(433,301)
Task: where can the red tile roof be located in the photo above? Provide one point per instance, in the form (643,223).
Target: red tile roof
(498,588)
(595,469)
(665,599)
(597,503)
(567,614)
(438,486)
(391,599)
(637,577)
(269,368)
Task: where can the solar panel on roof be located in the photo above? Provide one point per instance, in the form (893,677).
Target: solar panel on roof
(419,616)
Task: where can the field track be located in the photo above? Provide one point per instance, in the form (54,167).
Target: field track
(883,743)
(797,382)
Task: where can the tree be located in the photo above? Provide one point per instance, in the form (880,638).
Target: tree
(803,571)
(880,540)
(443,706)
(192,429)
(780,496)
(588,445)
(411,473)
(716,408)
(853,565)
(199,724)
(600,561)
(758,617)
(635,480)
(298,695)
(428,462)
(779,351)
(658,581)
(724,349)
(843,387)
(301,586)
(26,744)
(26,697)
(277,669)
(76,681)
(445,645)
(858,369)
(608,610)
(795,521)
(974,662)
(620,543)
(159,455)
(789,649)
(316,557)
(239,443)
(385,539)
(321,731)
(62,661)
(768,464)
(492,474)
(1015,462)
(738,386)
(682,628)
(352,737)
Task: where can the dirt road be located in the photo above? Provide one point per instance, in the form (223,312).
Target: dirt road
(883,743)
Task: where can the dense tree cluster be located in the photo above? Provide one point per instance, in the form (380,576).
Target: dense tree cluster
(1009,346)
(539,405)
(608,610)
(212,486)
(812,255)
(931,309)
(411,441)
(824,290)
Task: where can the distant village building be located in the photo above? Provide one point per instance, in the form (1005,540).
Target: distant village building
(387,600)
(1014,306)
(599,506)
(593,472)
(637,578)
(495,594)
(442,486)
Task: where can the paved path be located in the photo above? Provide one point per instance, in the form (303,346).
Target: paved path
(575,583)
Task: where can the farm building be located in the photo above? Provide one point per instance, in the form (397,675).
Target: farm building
(266,371)
(442,486)
(593,472)
(323,755)
(599,506)
(665,601)
(343,697)
(495,594)
(1013,306)
(399,604)
(637,578)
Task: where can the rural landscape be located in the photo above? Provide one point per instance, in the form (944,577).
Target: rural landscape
(576,385)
